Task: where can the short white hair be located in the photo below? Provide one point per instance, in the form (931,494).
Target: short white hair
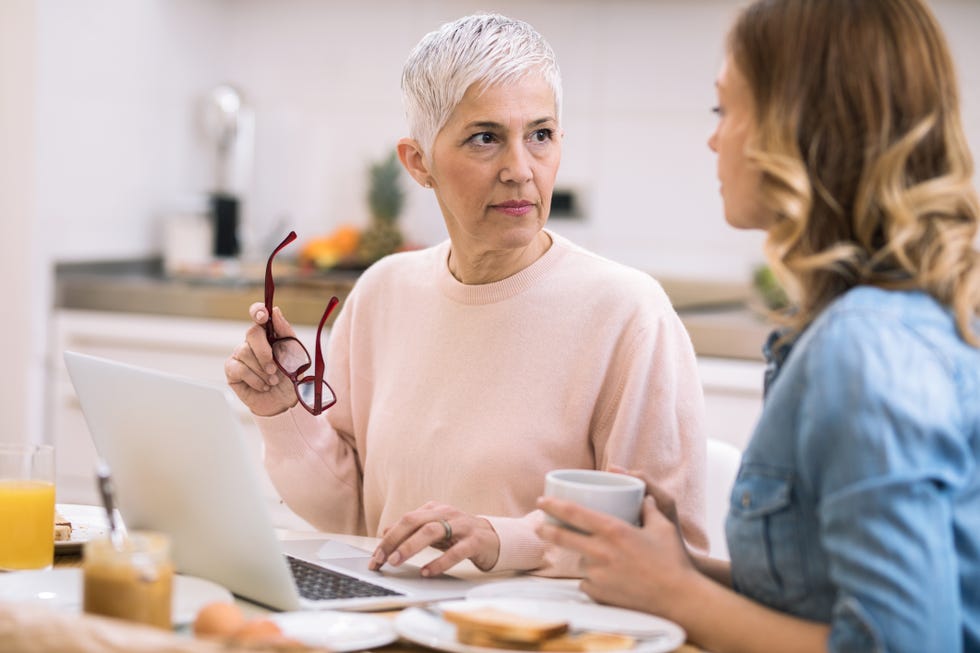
(488,49)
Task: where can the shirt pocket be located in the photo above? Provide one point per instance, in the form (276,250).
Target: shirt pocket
(764,531)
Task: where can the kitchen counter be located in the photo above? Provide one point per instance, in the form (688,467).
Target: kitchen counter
(717,315)
(141,286)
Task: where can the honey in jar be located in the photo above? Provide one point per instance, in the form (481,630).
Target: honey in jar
(131,581)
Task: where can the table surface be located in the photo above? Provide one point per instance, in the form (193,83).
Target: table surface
(464,570)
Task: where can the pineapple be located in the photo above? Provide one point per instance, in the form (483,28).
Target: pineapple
(385,199)
(379,240)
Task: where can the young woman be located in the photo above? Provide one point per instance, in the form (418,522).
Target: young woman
(855,520)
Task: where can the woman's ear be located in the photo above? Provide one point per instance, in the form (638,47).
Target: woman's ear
(411,156)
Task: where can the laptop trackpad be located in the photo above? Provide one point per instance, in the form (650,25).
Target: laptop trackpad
(332,550)
(406,574)
(360,565)
(344,556)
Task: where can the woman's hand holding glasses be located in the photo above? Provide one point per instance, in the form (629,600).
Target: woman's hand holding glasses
(272,354)
(251,372)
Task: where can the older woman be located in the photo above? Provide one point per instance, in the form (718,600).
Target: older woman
(466,371)
(855,519)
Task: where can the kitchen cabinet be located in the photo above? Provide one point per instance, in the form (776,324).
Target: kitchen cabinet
(732,397)
(191,347)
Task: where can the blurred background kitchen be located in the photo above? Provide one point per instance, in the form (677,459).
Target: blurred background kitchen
(121,119)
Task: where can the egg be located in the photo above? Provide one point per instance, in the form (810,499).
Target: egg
(218,620)
(258,630)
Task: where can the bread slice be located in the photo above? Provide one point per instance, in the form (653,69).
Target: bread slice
(502,627)
(476,637)
(62,528)
(587,642)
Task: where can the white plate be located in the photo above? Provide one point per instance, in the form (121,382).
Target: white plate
(87,522)
(336,631)
(425,627)
(545,589)
(61,589)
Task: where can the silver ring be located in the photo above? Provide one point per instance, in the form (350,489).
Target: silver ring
(448,529)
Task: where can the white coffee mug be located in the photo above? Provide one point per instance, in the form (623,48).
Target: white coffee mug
(614,494)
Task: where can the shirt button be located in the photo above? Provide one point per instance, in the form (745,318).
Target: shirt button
(746,499)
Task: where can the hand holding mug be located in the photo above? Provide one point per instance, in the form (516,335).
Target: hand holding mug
(619,495)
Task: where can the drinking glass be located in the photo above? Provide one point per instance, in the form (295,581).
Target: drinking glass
(26,506)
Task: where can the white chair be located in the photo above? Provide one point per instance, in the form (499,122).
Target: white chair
(724,459)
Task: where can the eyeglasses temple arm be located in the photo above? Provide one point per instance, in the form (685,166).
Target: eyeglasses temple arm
(318,365)
(270,286)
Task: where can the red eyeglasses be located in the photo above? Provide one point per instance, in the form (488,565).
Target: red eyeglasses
(291,356)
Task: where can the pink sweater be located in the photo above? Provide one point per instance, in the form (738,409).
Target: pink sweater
(469,394)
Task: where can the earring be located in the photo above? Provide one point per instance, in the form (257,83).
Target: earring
(428,184)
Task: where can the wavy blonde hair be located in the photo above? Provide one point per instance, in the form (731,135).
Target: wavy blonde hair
(863,157)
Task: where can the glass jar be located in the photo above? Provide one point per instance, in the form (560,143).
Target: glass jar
(132,582)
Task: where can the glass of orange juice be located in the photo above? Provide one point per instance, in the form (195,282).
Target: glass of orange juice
(26,506)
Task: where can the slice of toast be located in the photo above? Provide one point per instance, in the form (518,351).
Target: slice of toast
(62,528)
(503,627)
(587,642)
(476,637)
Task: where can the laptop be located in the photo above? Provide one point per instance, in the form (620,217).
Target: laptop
(180,465)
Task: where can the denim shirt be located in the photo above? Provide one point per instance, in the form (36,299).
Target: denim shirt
(858,500)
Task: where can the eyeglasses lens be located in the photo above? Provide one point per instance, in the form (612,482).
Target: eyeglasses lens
(306,392)
(291,355)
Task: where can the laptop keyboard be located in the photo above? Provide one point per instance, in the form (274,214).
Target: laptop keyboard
(317,583)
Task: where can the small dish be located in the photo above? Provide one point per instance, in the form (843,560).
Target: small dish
(336,631)
(87,522)
(61,589)
(547,589)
